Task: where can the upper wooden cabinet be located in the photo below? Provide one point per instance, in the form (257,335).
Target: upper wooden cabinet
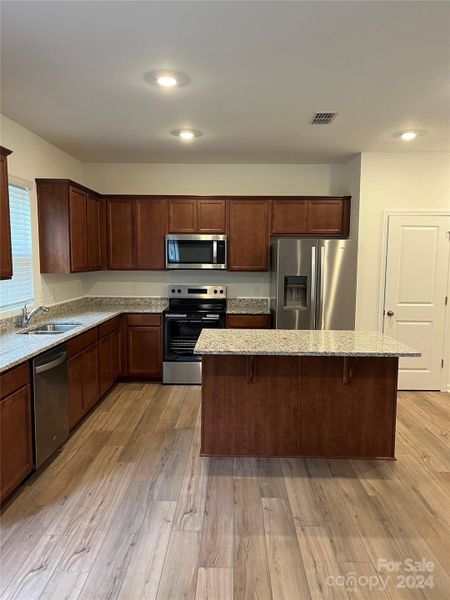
(248,234)
(121,236)
(6,269)
(150,233)
(135,229)
(69,227)
(196,215)
(328,216)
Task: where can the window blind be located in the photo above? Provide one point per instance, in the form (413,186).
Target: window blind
(20,289)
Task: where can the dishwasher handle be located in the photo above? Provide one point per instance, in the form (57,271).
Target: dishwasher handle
(52,364)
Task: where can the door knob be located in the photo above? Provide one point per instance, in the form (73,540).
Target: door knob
(390,313)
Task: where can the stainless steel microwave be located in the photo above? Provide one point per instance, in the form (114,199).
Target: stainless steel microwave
(196,251)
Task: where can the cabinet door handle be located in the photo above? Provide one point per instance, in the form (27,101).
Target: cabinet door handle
(251,369)
(348,370)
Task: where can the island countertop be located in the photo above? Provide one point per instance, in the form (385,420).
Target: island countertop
(282,342)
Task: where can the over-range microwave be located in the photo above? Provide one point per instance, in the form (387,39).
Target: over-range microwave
(196,251)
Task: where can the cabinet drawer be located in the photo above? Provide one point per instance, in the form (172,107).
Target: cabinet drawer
(108,326)
(248,321)
(144,320)
(82,341)
(14,379)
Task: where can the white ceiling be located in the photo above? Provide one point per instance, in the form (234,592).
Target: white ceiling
(73,72)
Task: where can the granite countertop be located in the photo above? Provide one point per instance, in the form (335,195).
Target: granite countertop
(89,312)
(15,348)
(300,343)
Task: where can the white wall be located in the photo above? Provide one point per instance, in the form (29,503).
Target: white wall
(32,158)
(395,181)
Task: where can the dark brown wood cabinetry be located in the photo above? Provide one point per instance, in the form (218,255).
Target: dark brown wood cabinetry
(82,369)
(323,216)
(248,234)
(6,266)
(69,227)
(109,353)
(248,321)
(144,345)
(80,230)
(15,429)
(196,215)
(150,233)
(121,236)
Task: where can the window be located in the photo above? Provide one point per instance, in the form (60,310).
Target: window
(19,290)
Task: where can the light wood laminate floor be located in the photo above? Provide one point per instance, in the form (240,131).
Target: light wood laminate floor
(129,510)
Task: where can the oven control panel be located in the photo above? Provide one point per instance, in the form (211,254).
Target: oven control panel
(197,291)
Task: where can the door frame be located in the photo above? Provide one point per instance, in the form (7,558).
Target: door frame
(445,375)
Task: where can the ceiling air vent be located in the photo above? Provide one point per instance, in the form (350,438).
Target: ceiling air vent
(323,118)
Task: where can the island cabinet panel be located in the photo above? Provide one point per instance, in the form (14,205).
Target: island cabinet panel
(94,250)
(150,233)
(348,407)
(309,216)
(6,267)
(250,406)
(121,233)
(248,234)
(78,230)
(15,440)
(248,321)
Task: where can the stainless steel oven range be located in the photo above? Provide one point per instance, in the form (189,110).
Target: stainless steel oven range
(191,308)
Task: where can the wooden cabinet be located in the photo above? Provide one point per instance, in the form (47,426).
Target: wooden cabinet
(248,234)
(94,249)
(83,378)
(6,266)
(196,215)
(121,234)
(69,227)
(241,410)
(78,230)
(15,429)
(150,233)
(324,216)
(144,345)
(248,321)
(109,352)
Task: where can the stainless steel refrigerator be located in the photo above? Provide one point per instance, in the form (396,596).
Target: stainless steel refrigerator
(313,283)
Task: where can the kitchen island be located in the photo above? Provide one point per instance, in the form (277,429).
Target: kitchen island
(324,394)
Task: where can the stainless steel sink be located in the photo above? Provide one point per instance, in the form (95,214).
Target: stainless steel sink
(50,329)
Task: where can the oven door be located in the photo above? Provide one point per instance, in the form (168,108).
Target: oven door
(181,332)
(196,251)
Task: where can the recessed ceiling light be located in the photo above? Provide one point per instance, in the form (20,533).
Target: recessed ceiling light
(167,78)
(407,136)
(167,81)
(186,134)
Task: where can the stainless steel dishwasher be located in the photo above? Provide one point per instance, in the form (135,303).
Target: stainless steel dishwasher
(51,402)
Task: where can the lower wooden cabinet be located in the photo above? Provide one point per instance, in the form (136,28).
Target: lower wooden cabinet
(109,360)
(16,440)
(144,346)
(248,321)
(83,383)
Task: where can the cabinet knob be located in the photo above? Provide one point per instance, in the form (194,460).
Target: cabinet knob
(390,313)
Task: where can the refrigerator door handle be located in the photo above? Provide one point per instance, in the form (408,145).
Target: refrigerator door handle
(313,288)
(319,324)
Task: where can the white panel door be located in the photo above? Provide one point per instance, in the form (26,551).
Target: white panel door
(416,287)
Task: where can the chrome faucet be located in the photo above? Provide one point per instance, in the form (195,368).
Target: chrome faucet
(27,316)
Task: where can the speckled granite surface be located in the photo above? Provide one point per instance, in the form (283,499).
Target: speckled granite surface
(248,306)
(89,312)
(300,343)
(16,348)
